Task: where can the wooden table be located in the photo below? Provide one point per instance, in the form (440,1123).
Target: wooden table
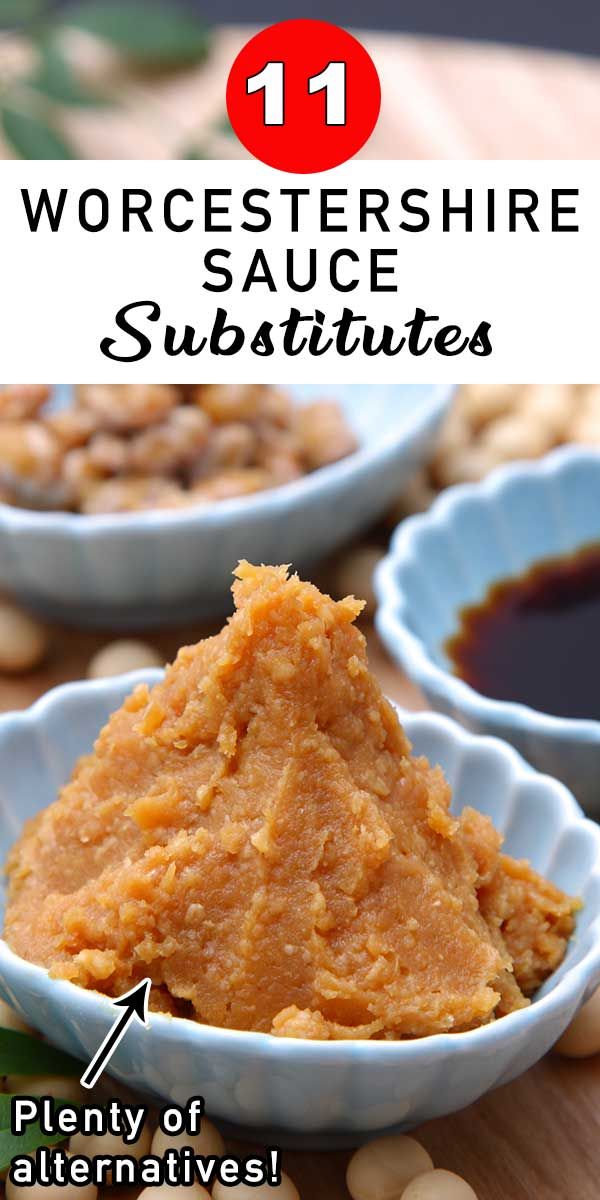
(441,99)
(535,1139)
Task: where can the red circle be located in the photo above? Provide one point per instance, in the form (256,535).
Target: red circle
(305,142)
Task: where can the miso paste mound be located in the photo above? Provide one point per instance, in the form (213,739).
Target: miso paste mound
(254,834)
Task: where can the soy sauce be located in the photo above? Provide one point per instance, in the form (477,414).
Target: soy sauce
(535,639)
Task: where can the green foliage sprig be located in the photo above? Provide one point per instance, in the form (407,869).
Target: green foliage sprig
(21,1054)
(26,1143)
(150,34)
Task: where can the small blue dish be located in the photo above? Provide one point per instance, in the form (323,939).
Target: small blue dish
(151,568)
(472,537)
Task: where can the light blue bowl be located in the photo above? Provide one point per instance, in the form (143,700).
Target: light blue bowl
(135,570)
(473,536)
(314,1093)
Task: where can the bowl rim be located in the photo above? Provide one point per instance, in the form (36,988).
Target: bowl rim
(433,401)
(574,985)
(393,615)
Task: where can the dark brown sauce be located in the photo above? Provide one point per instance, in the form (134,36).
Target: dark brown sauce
(535,639)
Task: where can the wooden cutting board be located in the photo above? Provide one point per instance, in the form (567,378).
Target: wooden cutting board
(535,1139)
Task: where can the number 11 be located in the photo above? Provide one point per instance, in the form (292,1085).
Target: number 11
(332,81)
(271,81)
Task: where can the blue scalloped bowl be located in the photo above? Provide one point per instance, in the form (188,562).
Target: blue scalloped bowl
(473,536)
(305,1091)
(142,569)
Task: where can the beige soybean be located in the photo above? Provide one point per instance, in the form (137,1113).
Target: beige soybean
(517,436)
(582,1038)
(490,425)
(439,1185)
(48,1085)
(23,640)
(207,1142)
(23,400)
(552,406)
(53,1192)
(482,403)
(285,1191)
(466,465)
(586,428)
(10,1020)
(128,406)
(164,1192)
(382,1169)
(110,1144)
(117,658)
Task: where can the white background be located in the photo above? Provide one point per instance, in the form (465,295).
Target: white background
(59,292)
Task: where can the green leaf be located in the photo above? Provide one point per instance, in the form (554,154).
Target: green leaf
(193,152)
(20,12)
(21,1054)
(31,136)
(151,32)
(225,127)
(55,79)
(26,1143)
